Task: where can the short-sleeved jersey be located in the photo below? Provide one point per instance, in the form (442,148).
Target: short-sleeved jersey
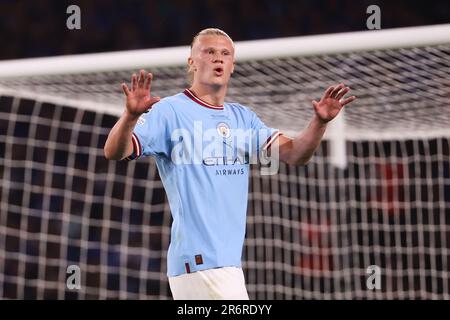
(203,154)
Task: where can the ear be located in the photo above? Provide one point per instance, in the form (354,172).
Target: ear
(232,69)
(191,64)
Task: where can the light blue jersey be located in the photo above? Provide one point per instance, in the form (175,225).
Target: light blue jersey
(203,154)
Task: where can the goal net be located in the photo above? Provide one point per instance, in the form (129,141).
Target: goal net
(374,200)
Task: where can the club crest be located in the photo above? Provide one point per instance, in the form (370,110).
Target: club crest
(224,130)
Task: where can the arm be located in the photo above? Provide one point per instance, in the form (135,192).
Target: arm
(138,100)
(299,151)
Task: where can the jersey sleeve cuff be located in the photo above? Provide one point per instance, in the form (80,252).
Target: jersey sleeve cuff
(137,148)
(271,139)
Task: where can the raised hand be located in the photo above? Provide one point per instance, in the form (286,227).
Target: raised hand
(139,99)
(332,102)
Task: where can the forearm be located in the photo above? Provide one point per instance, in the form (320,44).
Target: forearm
(118,144)
(299,151)
(304,145)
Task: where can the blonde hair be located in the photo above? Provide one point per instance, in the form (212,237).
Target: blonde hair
(206,32)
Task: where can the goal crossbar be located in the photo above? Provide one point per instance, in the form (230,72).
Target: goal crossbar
(245,50)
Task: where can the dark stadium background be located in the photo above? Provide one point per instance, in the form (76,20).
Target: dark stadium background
(38,28)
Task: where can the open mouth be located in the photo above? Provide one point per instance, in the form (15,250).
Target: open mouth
(218,71)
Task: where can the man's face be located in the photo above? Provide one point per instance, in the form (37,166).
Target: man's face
(212,59)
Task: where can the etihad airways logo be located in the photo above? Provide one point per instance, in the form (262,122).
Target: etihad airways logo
(216,161)
(224,146)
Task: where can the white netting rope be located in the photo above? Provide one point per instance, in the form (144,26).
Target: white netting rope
(401,92)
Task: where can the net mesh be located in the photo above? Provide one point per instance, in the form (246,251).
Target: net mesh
(399,91)
(312,231)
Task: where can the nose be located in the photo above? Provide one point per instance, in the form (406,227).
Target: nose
(217,57)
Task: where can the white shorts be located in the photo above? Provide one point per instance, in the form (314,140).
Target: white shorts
(225,283)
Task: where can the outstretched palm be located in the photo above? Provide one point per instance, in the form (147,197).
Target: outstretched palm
(332,102)
(139,99)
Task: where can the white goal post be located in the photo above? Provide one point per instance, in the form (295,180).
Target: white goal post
(245,51)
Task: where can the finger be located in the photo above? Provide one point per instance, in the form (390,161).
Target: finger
(342,92)
(348,100)
(133,82)
(150,102)
(148,81)
(336,90)
(315,105)
(328,92)
(141,78)
(125,89)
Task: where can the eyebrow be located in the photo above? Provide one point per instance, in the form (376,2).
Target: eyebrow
(222,49)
